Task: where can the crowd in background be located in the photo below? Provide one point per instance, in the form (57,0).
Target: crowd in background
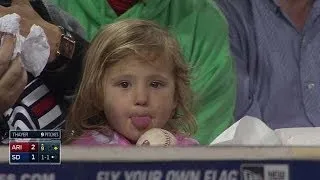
(245,57)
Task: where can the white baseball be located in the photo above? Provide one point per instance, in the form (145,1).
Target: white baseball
(157,137)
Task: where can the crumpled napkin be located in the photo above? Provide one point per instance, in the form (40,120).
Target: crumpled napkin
(251,131)
(248,131)
(34,48)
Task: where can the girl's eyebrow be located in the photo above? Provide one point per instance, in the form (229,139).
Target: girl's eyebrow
(158,76)
(122,76)
(130,76)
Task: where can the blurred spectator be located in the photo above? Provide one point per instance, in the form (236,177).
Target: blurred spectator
(276,47)
(40,103)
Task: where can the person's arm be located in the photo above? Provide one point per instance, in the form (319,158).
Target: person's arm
(13,77)
(63,73)
(238,17)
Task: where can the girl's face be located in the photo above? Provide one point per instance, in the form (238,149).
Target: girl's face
(138,96)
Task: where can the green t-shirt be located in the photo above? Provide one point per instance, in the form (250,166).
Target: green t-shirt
(202,32)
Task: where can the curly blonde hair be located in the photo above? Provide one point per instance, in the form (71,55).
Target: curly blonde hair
(113,43)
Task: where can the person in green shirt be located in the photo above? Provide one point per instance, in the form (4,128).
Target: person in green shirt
(202,32)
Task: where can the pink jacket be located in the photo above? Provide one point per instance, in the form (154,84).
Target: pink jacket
(95,138)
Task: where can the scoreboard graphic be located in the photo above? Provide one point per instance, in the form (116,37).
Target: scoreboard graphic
(35,147)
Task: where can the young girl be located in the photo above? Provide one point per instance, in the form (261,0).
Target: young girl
(134,79)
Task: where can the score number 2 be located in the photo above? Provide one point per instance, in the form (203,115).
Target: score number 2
(33,147)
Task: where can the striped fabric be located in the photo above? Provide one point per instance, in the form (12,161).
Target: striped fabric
(36,109)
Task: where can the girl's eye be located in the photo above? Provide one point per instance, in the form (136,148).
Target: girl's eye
(124,84)
(156,84)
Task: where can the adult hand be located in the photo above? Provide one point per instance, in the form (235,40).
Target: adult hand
(29,17)
(13,77)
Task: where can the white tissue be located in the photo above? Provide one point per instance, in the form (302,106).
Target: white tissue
(34,49)
(303,136)
(10,23)
(250,131)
